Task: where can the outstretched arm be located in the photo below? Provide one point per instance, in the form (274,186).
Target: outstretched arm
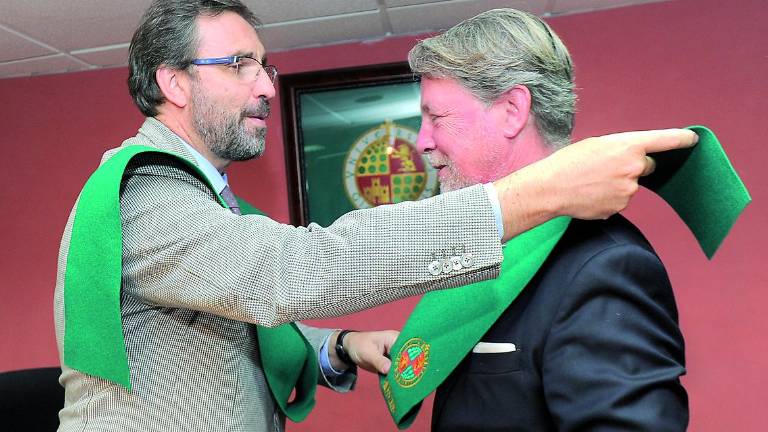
(591,179)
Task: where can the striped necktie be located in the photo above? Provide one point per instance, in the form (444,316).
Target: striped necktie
(230,199)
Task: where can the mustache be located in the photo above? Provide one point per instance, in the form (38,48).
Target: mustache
(260,110)
(436,160)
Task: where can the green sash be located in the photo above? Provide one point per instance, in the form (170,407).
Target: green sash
(93,336)
(699,183)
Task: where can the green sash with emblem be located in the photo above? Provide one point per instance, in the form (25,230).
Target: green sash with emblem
(93,336)
(699,183)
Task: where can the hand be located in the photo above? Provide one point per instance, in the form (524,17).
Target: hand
(368,349)
(591,179)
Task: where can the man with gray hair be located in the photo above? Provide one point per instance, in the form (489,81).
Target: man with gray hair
(592,342)
(174,303)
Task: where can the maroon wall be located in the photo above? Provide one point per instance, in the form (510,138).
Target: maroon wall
(658,65)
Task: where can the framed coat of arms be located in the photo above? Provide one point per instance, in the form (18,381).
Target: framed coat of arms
(350,138)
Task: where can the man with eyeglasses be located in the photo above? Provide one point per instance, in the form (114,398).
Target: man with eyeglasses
(162,275)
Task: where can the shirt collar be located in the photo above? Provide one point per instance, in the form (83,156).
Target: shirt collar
(218,180)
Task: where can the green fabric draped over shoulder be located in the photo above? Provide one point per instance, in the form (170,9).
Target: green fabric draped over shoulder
(93,334)
(698,182)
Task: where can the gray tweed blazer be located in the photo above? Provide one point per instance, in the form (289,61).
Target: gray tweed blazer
(196,277)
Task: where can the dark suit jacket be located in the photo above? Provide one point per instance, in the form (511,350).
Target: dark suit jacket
(598,346)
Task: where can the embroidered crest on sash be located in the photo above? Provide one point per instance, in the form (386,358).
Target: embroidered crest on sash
(412,362)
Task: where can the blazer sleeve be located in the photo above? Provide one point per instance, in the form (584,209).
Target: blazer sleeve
(182,249)
(615,353)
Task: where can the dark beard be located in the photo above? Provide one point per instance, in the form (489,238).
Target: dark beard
(227,138)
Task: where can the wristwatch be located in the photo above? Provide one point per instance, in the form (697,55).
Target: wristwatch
(340,351)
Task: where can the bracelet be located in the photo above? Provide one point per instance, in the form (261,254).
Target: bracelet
(340,351)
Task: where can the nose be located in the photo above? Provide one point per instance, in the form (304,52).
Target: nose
(264,87)
(424,141)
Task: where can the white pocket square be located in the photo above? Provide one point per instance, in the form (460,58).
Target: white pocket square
(492,347)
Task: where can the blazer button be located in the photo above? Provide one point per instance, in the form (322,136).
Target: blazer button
(447,266)
(456,263)
(467,260)
(435,268)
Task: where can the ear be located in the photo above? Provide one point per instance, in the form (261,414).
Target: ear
(516,108)
(174,84)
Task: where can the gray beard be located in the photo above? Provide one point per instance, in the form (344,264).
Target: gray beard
(227,138)
(455,183)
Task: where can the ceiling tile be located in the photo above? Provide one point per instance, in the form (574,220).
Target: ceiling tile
(397,3)
(97,31)
(14,47)
(74,24)
(322,31)
(116,56)
(573,6)
(410,19)
(271,11)
(42,65)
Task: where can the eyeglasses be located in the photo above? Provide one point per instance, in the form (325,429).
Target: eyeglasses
(246,68)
